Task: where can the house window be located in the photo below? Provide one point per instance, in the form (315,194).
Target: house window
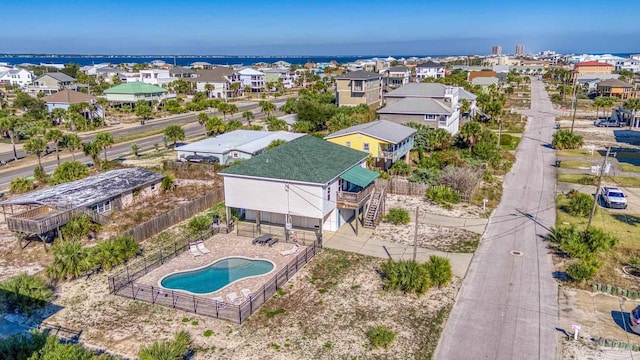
(328,193)
(429,117)
(235,155)
(348,144)
(102,207)
(365,146)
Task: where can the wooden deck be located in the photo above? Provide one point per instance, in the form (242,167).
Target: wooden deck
(43,219)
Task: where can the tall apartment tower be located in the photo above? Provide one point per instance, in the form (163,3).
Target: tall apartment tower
(519,50)
(496,50)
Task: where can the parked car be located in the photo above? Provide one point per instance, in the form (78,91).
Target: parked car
(613,198)
(606,122)
(193,158)
(634,320)
(210,159)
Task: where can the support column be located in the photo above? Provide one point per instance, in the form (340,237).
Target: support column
(227,216)
(357,219)
(258,221)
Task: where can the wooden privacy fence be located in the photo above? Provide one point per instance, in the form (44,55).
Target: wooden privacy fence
(209,307)
(172,217)
(402,187)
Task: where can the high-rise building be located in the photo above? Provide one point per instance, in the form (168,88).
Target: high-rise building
(519,50)
(496,50)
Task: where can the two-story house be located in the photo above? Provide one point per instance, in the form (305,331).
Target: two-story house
(134,91)
(50,83)
(385,141)
(306,183)
(429,69)
(252,79)
(433,104)
(591,68)
(614,87)
(359,87)
(16,77)
(156,76)
(274,75)
(217,82)
(396,77)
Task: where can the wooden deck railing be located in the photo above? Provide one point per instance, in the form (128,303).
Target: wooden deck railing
(353,199)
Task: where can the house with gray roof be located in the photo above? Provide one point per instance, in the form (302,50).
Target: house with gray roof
(429,69)
(50,83)
(395,77)
(359,87)
(217,82)
(485,81)
(233,146)
(16,77)
(307,183)
(433,104)
(385,141)
(44,210)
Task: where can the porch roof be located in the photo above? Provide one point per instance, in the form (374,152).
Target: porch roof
(359,176)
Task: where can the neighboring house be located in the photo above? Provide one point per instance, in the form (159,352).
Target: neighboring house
(471,99)
(290,119)
(17,77)
(181,72)
(235,145)
(156,76)
(217,82)
(252,78)
(92,70)
(62,99)
(359,87)
(484,82)
(272,75)
(201,65)
(107,73)
(396,76)
(429,69)
(132,92)
(590,82)
(615,87)
(281,64)
(306,183)
(50,83)
(482,73)
(591,68)
(385,141)
(52,207)
(433,104)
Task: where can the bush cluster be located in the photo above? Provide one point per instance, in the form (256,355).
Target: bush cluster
(178,348)
(442,195)
(579,203)
(397,216)
(381,336)
(412,277)
(24,293)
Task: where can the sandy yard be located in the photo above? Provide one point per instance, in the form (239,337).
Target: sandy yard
(428,207)
(429,236)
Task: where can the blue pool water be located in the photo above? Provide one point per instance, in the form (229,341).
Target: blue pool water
(217,275)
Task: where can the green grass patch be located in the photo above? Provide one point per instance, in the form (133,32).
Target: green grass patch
(629,167)
(208,333)
(577,153)
(585,179)
(273,313)
(467,246)
(575,164)
(625,227)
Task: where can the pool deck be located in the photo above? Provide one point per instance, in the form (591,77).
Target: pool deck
(221,246)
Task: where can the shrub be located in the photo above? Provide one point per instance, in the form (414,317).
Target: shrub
(40,175)
(78,228)
(70,260)
(177,348)
(54,349)
(565,139)
(439,269)
(111,253)
(406,276)
(397,216)
(198,224)
(400,168)
(69,171)
(442,195)
(580,204)
(167,183)
(381,336)
(24,293)
(583,270)
(21,346)
(582,244)
(21,185)
(588,180)
(461,179)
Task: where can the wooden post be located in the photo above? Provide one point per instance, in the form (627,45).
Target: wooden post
(357,219)
(415,237)
(595,198)
(258,221)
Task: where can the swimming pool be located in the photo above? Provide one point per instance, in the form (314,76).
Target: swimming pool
(217,275)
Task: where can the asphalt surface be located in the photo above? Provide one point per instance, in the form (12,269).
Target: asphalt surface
(191,130)
(507,307)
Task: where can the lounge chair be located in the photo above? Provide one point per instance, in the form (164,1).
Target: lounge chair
(234,298)
(220,302)
(201,247)
(293,250)
(194,250)
(247,294)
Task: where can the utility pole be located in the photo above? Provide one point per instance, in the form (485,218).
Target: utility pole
(595,200)
(499,131)
(415,237)
(575,105)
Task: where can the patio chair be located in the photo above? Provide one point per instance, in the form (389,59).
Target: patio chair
(248,294)
(272,241)
(220,302)
(201,247)
(194,250)
(234,298)
(293,250)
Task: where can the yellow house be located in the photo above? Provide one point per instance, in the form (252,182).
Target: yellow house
(384,140)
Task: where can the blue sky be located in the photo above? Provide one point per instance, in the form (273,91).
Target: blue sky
(311,27)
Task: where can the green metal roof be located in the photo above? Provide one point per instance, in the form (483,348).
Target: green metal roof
(359,176)
(135,88)
(305,159)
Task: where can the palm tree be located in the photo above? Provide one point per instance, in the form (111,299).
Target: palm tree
(248,115)
(202,120)
(104,140)
(174,133)
(233,125)
(56,136)
(37,146)
(215,125)
(73,143)
(470,132)
(135,149)
(104,104)
(598,103)
(224,109)
(267,107)
(56,115)
(234,87)
(92,150)
(233,108)
(70,260)
(8,125)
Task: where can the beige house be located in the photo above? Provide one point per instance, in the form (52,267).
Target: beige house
(217,82)
(50,83)
(359,87)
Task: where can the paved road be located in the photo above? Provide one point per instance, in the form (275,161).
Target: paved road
(49,162)
(507,307)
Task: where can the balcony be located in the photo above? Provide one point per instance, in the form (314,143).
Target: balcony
(397,152)
(353,200)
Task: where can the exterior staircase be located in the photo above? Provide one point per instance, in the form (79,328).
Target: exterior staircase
(372,217)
